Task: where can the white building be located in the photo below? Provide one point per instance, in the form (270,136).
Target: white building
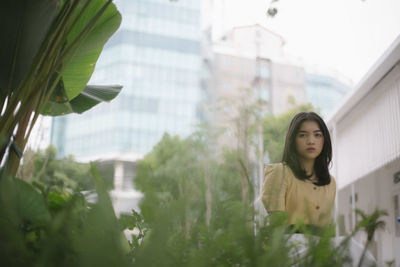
(251,57)
(366,140)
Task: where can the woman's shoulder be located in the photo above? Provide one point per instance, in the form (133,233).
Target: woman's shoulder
(273,167)
(277,169)
(278,172)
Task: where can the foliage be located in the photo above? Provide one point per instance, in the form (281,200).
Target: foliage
(179,224)
(178,233)
(34,233)
(275,128)
(239,136)
(370,223)
(174,174)
(136,223)
(48,60)
(44,167)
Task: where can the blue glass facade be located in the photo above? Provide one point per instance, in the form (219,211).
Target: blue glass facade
(325,92)
(155,55)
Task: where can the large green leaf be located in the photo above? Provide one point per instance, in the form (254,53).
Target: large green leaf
(80,65)
(101,241)
(21,203)
(88,98)
(23,27)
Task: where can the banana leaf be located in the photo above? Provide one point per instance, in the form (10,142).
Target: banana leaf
(81,64)
(88,98)
(23,27)
(70,37)
(24,24)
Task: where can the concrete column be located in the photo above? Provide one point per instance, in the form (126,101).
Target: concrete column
(118,185)
(118,175)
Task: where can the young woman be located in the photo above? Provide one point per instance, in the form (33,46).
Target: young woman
(301,185)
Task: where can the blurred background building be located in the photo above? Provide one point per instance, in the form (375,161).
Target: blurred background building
(248,64)
(251,57)
(326,89)
(155,55)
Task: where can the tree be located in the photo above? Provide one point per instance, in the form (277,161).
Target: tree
(47,59)
(275,128)
(66,173)
(241,116)
(173,174)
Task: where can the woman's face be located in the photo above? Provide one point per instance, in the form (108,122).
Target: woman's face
(309,140)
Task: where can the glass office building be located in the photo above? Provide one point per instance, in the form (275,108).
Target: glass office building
(155,55)
(325,92)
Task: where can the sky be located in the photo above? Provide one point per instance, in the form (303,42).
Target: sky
(347,36)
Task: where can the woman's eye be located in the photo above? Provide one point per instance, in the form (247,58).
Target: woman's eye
(318,135)
(302,135)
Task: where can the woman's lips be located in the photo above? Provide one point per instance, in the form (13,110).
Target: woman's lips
(310,149)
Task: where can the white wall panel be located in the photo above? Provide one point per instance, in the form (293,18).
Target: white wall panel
(368,137)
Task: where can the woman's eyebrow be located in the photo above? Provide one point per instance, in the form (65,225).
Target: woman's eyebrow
(307,131)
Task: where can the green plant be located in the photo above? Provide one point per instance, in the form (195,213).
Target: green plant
(135,223)
(48,60)
(180,233)
(58,229)
(370,224)
(42,226)
(43,166)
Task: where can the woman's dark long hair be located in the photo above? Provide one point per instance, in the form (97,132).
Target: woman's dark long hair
(291,157)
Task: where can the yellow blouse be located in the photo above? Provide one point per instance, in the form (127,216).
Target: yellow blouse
(302,200)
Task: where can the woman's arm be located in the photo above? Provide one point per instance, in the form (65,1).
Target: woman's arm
(274,188)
